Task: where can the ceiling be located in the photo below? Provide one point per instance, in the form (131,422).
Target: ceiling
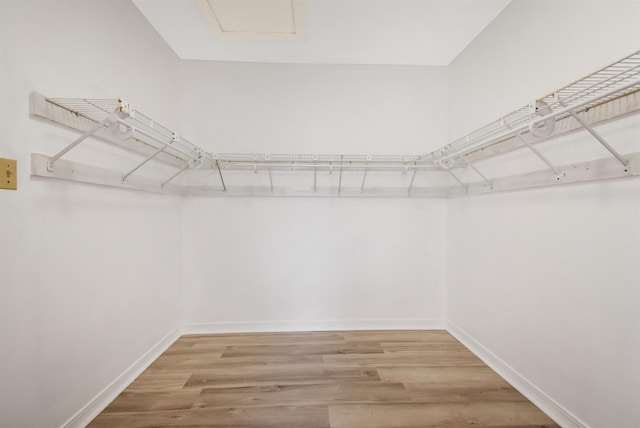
(420,32)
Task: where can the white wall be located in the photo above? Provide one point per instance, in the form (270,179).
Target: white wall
(325,109)
(314,263)
(547,280)
(89,276)
(283,264)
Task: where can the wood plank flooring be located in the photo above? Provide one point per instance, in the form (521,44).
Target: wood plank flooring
(321,379)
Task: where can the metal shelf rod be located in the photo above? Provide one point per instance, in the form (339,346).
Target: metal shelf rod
(485,179)
(462,183)
(413,177)
(153,155)
(224,186)
(175,175)
(364,178)
(80,139)
(371,166)
(598,137)
(537,153)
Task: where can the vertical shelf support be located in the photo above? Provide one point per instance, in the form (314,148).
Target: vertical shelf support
(315,178)
(340,177)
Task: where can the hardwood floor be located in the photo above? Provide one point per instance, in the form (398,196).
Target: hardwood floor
(321,379)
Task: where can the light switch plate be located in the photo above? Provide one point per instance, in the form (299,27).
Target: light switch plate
(8,176)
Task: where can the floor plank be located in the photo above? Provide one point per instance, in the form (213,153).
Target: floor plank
(132,401)
(460,376)
(267,417)
(412,358)
(518,414)
(302,394)
(304,349)
(320,379)
(280,375)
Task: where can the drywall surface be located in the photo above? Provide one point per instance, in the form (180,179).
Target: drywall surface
(547,280)
(89,276)
(291,264)
(325,109)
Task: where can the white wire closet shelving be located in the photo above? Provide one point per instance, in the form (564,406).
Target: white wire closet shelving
(453,170)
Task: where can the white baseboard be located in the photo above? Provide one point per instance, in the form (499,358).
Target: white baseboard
(332,325)
(107,395)
(547,404)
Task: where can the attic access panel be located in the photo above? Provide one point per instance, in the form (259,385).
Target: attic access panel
(275,20)
(608,94)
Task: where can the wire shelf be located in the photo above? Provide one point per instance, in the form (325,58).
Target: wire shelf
(132,123)
(118,122)
(606,84)
(283,161)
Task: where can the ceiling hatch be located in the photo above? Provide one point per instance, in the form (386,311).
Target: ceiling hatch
(255,19)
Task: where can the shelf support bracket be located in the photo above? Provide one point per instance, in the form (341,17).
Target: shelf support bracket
(597,136)
(224,186)
(153,155)
(413,177)
(270,180)
(175,175)
(485,179)
(340,177)
(78,140)
(462,183)
(364,178)
(542,157)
